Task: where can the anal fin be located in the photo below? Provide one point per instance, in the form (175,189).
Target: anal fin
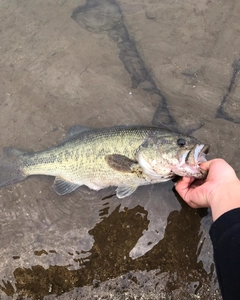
(62,186)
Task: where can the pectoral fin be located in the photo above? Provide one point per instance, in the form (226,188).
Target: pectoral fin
(125,190)
(62,186)
(120,162)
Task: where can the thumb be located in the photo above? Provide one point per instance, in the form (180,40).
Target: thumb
(205,165)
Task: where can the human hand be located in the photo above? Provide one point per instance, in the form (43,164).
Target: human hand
(220,190)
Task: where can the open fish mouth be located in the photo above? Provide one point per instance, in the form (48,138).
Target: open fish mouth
(190,160)
(199,153)
(196,155)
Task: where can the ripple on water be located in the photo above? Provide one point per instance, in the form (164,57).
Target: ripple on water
(72,236)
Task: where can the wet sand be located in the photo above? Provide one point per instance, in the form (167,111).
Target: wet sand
(104,63)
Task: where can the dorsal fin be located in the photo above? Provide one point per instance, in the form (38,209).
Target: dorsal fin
(74,131)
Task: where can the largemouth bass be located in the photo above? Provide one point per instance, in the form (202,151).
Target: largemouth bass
(123,156)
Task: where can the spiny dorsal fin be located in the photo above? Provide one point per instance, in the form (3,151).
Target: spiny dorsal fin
(74,131)
(62,186)
(120,162)
(8,151)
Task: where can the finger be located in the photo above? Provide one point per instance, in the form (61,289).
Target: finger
(190,191)
(182,186)
(205,165)
(197,183)
(186,180)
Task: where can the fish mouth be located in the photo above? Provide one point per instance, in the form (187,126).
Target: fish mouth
(190,160)
(196,155)
(200,152)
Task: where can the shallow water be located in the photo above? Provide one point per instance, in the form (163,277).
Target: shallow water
(104,63)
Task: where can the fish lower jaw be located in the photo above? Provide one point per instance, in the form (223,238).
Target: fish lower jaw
(188,171)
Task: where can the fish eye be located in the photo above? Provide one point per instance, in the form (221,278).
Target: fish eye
(181,142)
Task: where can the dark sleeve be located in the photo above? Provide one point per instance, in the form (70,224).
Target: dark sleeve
(225,235)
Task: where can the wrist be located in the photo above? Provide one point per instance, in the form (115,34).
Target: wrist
(225,199)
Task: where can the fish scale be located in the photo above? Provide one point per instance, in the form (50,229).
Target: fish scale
(87,155)
(99,158)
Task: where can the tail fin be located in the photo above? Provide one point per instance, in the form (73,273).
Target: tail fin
(10,167)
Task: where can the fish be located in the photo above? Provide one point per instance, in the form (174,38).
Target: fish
(122,156)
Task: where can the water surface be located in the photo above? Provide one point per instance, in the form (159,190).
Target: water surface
(103,63)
